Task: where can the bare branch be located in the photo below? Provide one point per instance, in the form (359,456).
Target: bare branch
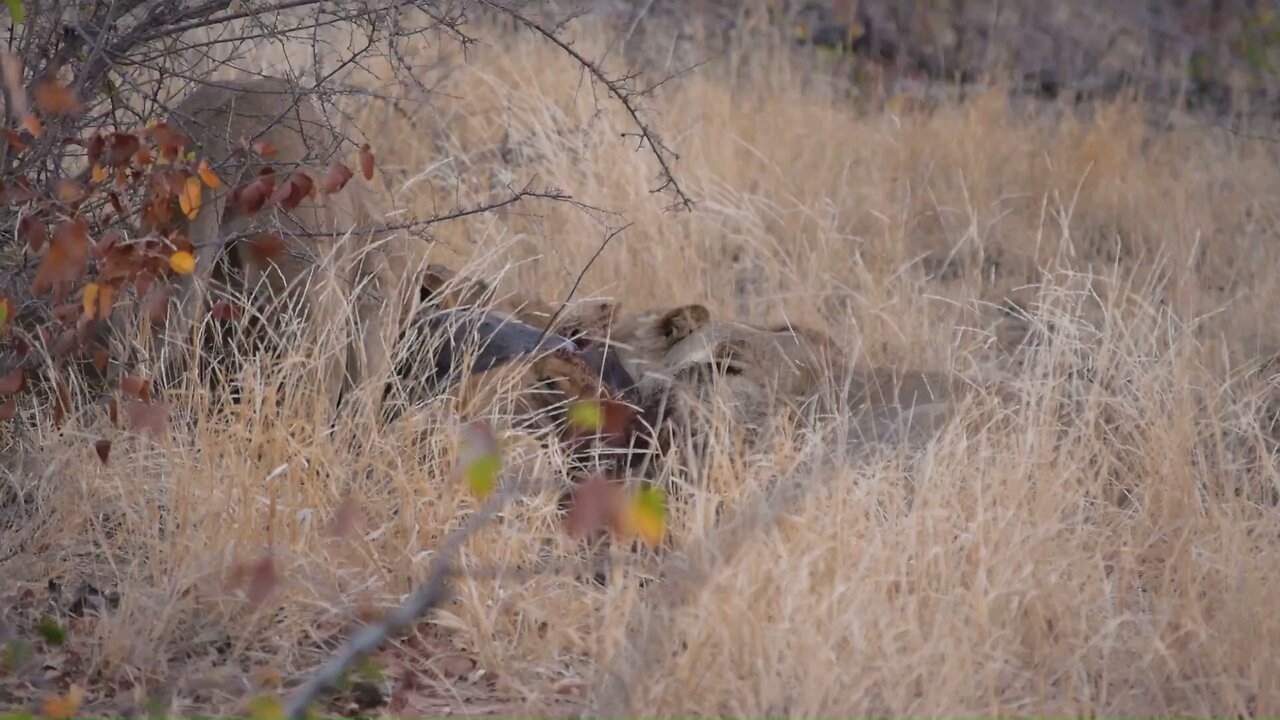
(424,598)
(620,90)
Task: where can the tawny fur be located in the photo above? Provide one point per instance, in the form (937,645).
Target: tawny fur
(335,269)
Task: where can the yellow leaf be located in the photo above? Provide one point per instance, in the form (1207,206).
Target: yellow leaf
(91,291)
(645,516)
(182,262)
(65,706)
(265,708)
(207,174)
(586,416)
(99,173)
(189,201)
(481,459)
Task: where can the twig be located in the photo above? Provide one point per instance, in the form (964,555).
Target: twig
(617,88)
(424,597)
(563,303)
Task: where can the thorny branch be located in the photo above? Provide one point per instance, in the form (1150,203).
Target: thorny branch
(621,91)
(127,59)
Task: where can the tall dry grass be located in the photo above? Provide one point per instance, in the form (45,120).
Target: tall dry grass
(1110,546)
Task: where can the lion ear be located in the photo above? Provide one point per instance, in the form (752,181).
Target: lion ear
(683,321)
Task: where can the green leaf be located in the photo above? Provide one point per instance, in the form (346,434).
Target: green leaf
(51,631)
(265,707)
(16,11)
(15,653)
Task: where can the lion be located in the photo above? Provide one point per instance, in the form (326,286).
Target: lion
(683,358)
(333,268)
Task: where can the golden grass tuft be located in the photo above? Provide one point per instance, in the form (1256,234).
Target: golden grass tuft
(1109,547)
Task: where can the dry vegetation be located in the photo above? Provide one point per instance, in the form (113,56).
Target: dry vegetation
(1110,547)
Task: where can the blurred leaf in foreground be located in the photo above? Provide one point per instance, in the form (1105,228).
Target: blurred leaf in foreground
(480,460)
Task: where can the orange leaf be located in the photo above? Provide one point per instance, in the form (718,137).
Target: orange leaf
(264,148)
(101,358)
(68,192)
(90,299)
(56,99)
(100,173)
(12,382)
(182,262)
(189,200)
(207,174)
(64,707)
(106,300)
(366,161)
(33,126)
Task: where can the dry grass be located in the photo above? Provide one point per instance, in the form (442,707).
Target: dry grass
(1111,547)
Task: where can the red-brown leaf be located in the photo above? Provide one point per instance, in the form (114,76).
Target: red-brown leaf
(101,359)
(263,249)
(264,148)
(336,178)
(34,231)
(96,146)
(14,138)
(55,98)
(67,259)
(147,418)
(366,161)
(293,191)
(344,521)
(254,195)
(170,142)
(12,382)
(596,504)
(224,310)
(262,580)
(103,448)
(136,386)
(61,400)
(121,148)
(158,306)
